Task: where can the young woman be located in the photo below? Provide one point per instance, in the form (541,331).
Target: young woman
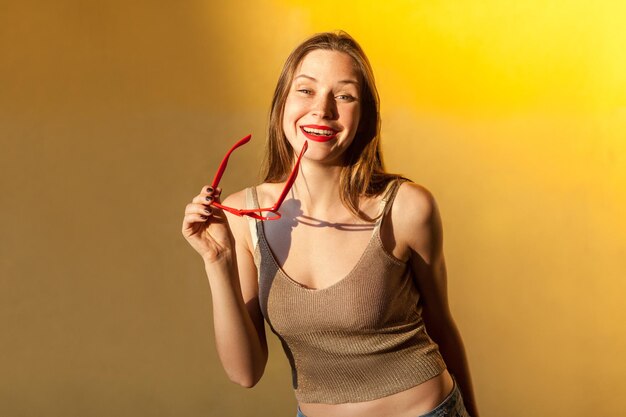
(352,273)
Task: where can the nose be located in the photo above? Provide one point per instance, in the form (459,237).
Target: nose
(325,107)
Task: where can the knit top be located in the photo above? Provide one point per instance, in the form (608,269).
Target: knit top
(360,339)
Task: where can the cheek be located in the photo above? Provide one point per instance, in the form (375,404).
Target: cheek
(288,108)
(289,122)
(291,114)
(355,116)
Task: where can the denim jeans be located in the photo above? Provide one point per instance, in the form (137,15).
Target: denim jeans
(451,406)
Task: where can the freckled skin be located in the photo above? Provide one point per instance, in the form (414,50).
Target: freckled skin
(324,92)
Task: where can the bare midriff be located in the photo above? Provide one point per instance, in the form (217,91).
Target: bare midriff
(409,403)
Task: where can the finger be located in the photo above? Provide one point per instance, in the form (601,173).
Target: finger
(207,190)
(198,208)
(203,199)
(192,219)
(194,226)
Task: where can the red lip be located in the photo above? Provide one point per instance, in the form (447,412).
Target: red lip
(319,138)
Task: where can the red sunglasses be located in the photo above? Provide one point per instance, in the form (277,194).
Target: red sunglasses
(270,213)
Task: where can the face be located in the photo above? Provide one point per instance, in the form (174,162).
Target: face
(323,105)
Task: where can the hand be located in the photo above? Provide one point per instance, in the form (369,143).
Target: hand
(205,227)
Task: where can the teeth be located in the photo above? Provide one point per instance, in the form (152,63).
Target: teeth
(318,131)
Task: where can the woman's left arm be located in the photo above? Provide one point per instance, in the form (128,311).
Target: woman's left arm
(418,226)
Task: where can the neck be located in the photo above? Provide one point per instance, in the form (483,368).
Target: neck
(317,188)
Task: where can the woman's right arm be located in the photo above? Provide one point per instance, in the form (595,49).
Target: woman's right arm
(224,244)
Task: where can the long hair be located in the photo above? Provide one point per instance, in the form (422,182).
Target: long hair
(363,172)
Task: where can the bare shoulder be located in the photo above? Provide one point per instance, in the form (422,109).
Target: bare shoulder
(238,225)
(414,205)
(268,193)
(416,221)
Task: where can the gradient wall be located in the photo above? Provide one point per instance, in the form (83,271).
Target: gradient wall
(114,114)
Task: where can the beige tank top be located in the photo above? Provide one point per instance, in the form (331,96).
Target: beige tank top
(360,339)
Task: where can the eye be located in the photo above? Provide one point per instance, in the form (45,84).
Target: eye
(345,97)
(304,91)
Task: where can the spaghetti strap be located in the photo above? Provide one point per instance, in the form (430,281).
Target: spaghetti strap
(387,200)
(252,202)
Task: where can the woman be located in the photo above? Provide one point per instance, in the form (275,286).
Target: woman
(352,273)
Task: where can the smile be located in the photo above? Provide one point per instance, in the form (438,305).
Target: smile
(319,133)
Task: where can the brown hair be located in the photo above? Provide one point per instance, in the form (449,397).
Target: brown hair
(363,173)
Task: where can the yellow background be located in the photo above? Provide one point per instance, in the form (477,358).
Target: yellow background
(114,114)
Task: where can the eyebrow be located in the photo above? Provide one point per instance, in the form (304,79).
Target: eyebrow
(313,79)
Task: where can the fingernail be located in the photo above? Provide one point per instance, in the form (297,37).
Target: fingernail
(209,189)
(209,198)
(204,217)
(207,211)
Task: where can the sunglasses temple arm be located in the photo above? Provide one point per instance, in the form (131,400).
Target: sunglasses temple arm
(291,179)
(222,168)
